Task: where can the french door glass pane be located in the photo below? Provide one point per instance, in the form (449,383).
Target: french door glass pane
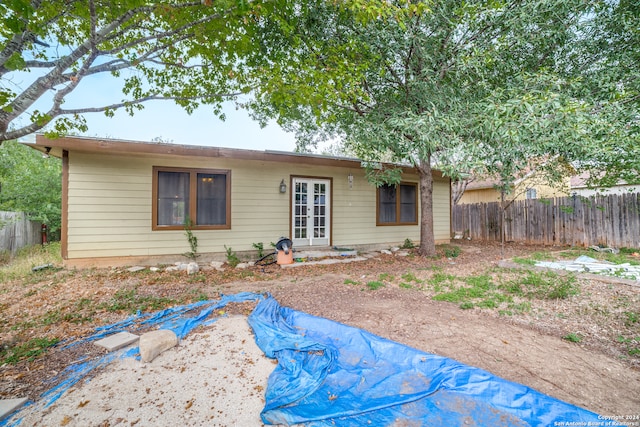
(300,217)
(319,202)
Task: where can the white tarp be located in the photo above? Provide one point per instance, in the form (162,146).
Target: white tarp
(586,264)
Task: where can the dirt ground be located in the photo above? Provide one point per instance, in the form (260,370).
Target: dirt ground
(596,373)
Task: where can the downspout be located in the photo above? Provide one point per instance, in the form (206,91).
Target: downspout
(64,226)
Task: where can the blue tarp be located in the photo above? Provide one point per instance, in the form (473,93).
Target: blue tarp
(330,374)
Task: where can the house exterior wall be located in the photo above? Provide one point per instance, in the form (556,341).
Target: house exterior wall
(488,195)
(483,195)
(618,189)
(110,207)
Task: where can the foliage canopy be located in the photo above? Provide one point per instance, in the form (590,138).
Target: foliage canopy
(468,86)
(31,183)
(186,51)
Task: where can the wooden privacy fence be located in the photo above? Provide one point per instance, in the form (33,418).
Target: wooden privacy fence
(16,231)
(612,220)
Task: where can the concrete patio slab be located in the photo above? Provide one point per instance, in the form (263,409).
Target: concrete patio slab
(117,341)
(7,406)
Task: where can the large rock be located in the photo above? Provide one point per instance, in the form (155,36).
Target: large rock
(193,268)
(155,342)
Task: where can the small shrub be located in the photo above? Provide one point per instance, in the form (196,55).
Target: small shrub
(483,282)
(632,345)
(410,277)
(232,258)
(201,296)
(408,244)
(632,318)
(439,279)
(452,251)
(572,337)
(375,285)
(563,289)
(192,239)
(260,248)
(488,303)
(543,286)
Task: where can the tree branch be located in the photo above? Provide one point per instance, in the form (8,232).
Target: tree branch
(119,105)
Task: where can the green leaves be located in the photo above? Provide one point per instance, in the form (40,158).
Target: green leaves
(15,62)
(31,184)
(192,53)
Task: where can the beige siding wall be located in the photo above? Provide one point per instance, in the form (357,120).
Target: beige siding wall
(543,191)
(110,207)
(486,195)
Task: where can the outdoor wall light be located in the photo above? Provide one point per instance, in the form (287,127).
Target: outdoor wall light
(283,187)
(350,180)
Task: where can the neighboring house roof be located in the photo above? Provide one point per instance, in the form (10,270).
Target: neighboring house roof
(482,184)
(580,181)
(494,182)
(55,147)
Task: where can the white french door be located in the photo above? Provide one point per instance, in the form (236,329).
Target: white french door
(311,212)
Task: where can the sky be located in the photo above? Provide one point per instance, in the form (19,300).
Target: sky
(170,123)
(164,119)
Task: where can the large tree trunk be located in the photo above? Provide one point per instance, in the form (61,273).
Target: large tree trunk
(427,239)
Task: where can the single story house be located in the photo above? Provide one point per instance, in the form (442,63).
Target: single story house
(485,192)
(530,186)
(126,202)
(579,187)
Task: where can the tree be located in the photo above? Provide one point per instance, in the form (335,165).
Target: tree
(405,86)
(31,183)
(186,51)
(606,56)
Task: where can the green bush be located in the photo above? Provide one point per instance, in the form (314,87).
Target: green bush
(572,337)
(452,251)
(375,285)
(232,258)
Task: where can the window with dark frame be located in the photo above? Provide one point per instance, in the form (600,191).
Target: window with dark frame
(202,195)
(531,193)
(397,204)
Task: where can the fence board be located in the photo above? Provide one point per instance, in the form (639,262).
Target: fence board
(611,220)
(16,231)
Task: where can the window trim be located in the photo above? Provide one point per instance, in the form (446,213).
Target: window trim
(398,207)
(193,199)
